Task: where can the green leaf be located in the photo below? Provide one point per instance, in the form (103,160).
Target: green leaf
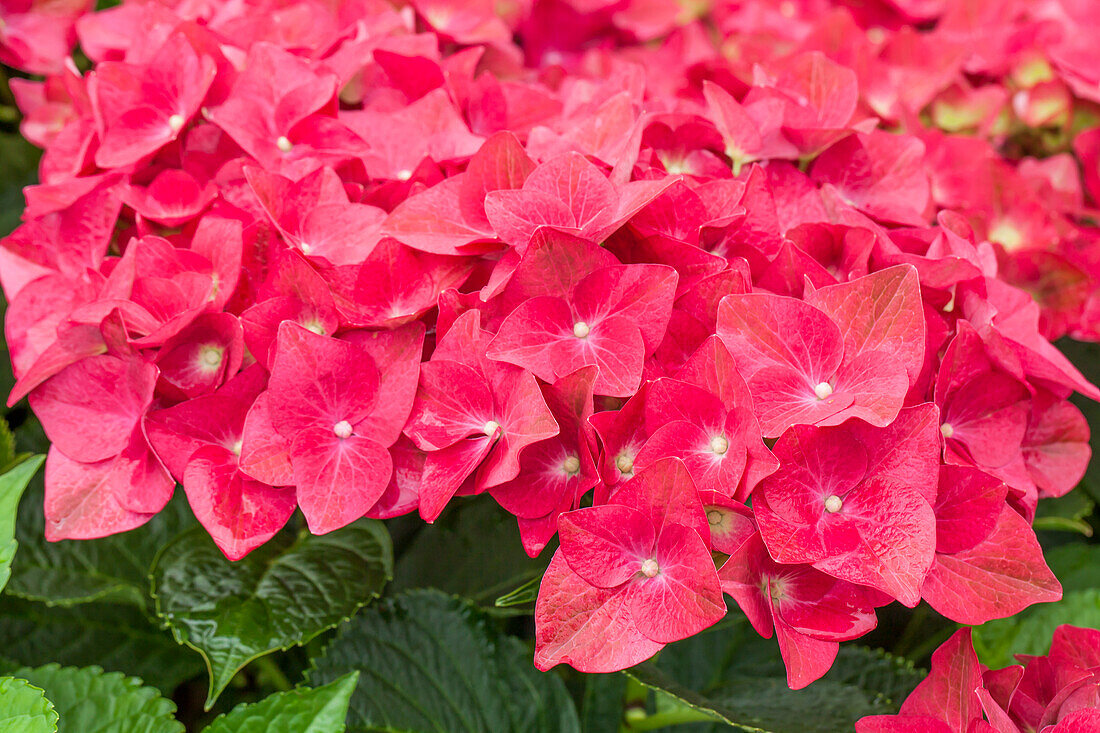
(89,700)
(18,168)
(118,638)
(1066,513)
(304,710)
(602,705)
(429,662)
(24,708)
(114,568)
(1076,565)
(7,447)
(281,595)
(1030,631)
(12,484)
(737,677)
(473,551)
(525,595)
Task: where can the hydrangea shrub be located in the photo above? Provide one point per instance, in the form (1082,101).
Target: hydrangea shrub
(738,310)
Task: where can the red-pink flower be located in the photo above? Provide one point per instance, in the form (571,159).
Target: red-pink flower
(142,107)
(809,611)
(848,350)
(472,414)
(631,575)
(855,502)
(611,317)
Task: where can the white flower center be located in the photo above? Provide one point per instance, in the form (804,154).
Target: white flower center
(176,122)
(624,463)
(946,430)
(833,504)
(342,429)
(210,356)
(491,428)
(404,174)
(649,568)
(284,144)
(581,329)
(571,465)
(823,390)
(719,445)
(314,326)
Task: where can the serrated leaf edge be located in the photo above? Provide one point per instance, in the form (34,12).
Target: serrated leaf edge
(165,623)
(50,710)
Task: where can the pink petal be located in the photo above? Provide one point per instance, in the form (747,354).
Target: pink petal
(807,659)
(445,470)
(525,419)
(885,538)
(879,312)
(586,627)
(642,294)
(1056,447)
(318,381)
(398,353)
(685,596)
(90,408)
(91,500)
(430,221)
(784,397)
(265,453)
(338,479)
(907,449)
(606,545)
(239,513)
(769,330)
(500,163)
(968,507)
(527,336)
(665,493)
(452,402)
(996,578)
(614,345)
(402,495)
(947,693)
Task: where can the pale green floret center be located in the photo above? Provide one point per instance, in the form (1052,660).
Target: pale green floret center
(650,568)
(283,143)
(176,122)
(342,429)
(210,357)
(491,428)
(833,504)
(719,445)
(947,430)
(571,465)
(823,390)
(1006,235)
(581,329)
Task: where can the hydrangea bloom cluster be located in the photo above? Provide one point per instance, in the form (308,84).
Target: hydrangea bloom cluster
(753,284)
(1056,693)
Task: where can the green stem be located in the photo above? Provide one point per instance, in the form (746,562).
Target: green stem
(634,702)
(6,97)
(670,717)
(932,643)
(272,674)
(910,634)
